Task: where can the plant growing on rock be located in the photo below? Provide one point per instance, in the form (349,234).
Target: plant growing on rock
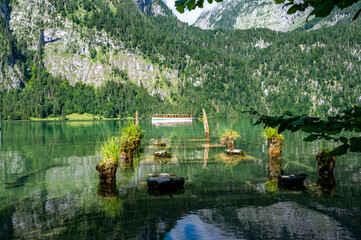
(110,152)
(228,136)
(130,141)
(274,141)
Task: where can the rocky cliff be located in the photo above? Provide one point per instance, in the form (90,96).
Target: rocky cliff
(246,14)
(67,50)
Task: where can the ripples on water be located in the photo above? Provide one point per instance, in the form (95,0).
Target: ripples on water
(48,186)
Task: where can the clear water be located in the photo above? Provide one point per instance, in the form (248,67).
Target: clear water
(48,186)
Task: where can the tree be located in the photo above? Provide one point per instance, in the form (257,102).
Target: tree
(321,8)
(317,128)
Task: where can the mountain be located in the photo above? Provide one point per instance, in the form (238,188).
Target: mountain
(247,14)
(112,57)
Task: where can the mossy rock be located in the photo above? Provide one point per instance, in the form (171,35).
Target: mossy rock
(162,154)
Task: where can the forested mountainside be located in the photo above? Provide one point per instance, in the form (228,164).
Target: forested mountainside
(111,57)
(246,14)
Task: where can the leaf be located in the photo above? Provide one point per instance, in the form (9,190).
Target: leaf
(293,9)
(341,150)
(344,3)
(322,10)
(180,9)
(356,145)
(333,132)
(343,140)
(309,128)
(279,1)
(190,4)
(356,15)
(288,113)
(310,138)
(180,2)
(282,127)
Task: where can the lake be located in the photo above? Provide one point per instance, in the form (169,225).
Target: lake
(49,186)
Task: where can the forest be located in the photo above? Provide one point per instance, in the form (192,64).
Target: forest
(305,72)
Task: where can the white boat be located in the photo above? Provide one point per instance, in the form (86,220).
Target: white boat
(172,117)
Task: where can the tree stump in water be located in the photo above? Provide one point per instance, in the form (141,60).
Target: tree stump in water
(107,170)
(275,145)
(230,145)
(206,126)
(325,165)
(126,159)
(326,184)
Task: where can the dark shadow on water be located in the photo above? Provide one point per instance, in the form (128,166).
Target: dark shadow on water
(155,192)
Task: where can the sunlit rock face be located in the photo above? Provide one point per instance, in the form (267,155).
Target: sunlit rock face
(247,14)
(67,49)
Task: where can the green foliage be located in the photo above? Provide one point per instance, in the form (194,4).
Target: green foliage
(110,150)
(270,133)
(322,128)
(325,150)
(228,135)
(131,136)
(233,72)
(93,52)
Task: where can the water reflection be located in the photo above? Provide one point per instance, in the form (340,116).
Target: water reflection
(56,198)
(192,227)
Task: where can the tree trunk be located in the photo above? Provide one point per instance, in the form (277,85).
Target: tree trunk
(206,126)
(107,173)
(136,118)
(126,159)
(275,146)
(325,165)
(230,145)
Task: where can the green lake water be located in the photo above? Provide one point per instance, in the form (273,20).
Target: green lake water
(48,186)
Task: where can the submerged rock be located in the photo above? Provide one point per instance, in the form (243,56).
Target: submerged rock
(162,154)
(235,152)
(291,180)
(161,144)
(165,183)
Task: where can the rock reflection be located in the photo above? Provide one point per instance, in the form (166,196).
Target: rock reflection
(274,167)
(326,184)
(155,192)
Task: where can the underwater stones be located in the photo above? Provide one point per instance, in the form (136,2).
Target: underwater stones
(291,180)
(160,144)
(162,154)
(165,183)
(238,152)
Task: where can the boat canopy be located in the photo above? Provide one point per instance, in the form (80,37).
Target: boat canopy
(173,115)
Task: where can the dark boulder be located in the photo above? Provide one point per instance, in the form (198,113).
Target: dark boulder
(291,180)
